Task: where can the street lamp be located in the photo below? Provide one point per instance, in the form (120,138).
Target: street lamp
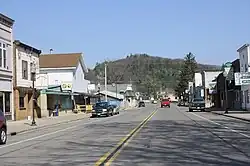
(33,78)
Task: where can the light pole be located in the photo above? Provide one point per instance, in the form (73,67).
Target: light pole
(99,86)
(226,68)
(106,97)
(33,78)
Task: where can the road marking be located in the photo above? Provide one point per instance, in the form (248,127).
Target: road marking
(110,156)
(48,134)
(236,131)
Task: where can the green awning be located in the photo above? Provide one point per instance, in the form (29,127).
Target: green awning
(51,92)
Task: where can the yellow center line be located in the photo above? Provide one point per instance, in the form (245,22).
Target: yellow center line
(110,156)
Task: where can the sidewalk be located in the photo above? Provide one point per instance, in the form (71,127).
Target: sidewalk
(15,127)
(242,115)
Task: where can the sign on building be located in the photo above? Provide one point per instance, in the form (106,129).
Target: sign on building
(66,86)
(242,78)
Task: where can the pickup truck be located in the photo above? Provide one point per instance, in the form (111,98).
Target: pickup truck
(103,109)
(197,104)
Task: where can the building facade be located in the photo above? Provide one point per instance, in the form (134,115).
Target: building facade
(244,56)
(209,83)
(6,52)
(66,71)
(25,58)
(233,94)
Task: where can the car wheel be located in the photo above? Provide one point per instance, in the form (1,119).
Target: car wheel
(3,136)
(190,110)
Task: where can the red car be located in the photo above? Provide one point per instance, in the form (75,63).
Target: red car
(3,128)
(165,103)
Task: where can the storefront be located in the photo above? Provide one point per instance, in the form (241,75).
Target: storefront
(5,104)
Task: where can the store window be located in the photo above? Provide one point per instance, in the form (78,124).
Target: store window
(7,102)
(21,101)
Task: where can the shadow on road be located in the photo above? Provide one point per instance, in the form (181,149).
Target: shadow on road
(158,143)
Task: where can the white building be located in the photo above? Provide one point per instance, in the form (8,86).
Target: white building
(66,71)
(209,83)
(197,79)
(6,51)
(244,56)
(25,59)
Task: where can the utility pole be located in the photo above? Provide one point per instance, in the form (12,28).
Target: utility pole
(106,98)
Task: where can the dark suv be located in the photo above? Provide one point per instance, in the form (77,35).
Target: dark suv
(3,128)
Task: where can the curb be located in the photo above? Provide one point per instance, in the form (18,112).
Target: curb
(243,119)
(45,126)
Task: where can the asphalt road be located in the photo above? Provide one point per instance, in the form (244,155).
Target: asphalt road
(146,136)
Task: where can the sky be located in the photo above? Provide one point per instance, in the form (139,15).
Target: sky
(212,30)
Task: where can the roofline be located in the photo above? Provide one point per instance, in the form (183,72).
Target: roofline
(242,47)
(56,68)
(81,61)
(62,53)
(8,19)
(25,46)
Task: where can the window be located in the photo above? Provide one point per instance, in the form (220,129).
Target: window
(3,55)
(31,65)
(7,102)
(246,68)
(25,69)
(21,101)
(4,58)
(1,58)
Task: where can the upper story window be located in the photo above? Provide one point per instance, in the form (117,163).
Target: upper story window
(243,56)
(24,69)
(246,68)
(3,55)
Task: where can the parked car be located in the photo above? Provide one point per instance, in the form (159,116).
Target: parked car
(141,104)
(165,103)
(154,101)
(197,104)
(103,109)
(3,128)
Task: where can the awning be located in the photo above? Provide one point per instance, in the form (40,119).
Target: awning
(51,92)
(84,94)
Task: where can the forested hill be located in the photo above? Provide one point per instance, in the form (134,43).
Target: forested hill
(144,70)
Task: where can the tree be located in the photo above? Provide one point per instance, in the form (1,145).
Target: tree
(186,73)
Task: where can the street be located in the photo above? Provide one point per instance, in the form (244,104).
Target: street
(144,136)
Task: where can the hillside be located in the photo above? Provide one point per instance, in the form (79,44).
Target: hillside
(145,71)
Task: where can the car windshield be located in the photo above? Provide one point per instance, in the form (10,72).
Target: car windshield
(165,100)
(102,104)
(200,99)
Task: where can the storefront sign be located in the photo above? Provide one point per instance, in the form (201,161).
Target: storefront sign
(242,78)
(66,86)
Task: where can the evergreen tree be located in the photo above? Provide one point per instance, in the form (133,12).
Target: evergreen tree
(186,74)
